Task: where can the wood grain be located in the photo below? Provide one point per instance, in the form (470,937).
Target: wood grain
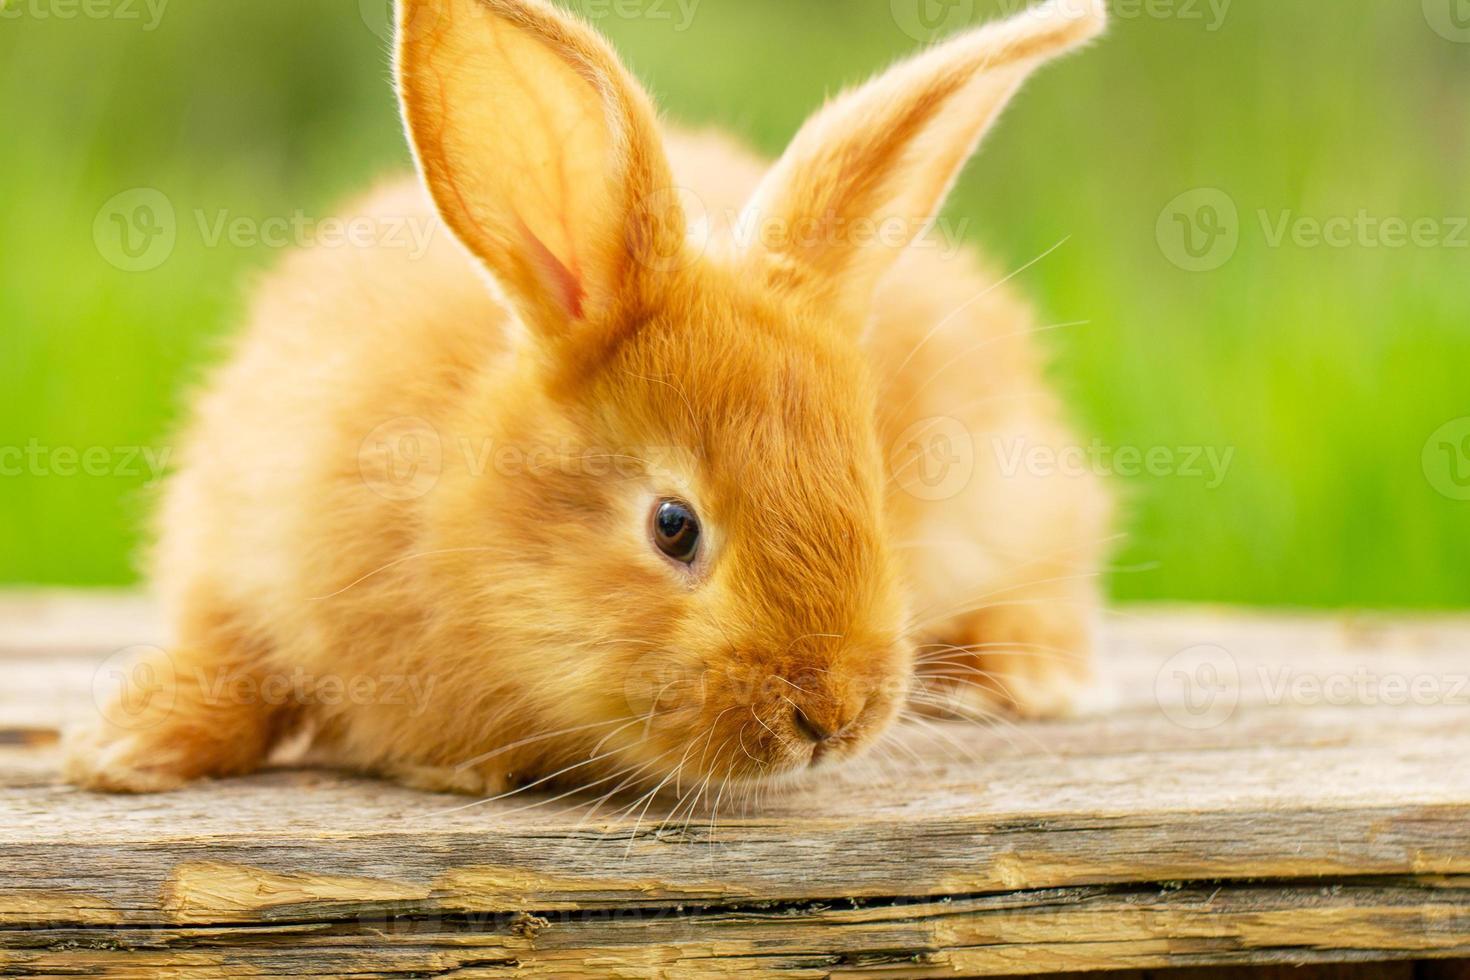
(1323,818)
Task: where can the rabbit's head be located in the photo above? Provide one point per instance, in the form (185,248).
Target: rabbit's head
(700,556)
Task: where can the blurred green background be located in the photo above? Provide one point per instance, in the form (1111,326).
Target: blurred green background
(1327,369)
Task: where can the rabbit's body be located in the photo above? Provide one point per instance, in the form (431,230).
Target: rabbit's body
(329,564)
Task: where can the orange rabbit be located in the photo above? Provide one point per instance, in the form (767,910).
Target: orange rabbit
(629,476)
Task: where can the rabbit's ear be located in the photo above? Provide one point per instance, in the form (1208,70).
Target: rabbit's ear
(541,152)
(866,175)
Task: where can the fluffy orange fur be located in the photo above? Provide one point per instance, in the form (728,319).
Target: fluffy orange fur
(420,488)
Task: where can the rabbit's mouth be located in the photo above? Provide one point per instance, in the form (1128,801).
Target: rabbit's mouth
(830,749)
(816,735)
(749,716)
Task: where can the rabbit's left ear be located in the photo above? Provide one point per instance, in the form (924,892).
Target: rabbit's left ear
(866,175)
(542,154)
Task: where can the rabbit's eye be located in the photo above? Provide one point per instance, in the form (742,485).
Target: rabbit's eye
(676,530)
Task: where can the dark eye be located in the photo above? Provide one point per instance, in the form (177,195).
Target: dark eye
(676,531)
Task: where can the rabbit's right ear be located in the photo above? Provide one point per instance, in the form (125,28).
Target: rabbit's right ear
(866,175)
(541,152)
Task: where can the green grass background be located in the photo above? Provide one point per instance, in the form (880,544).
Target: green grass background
(1324,369)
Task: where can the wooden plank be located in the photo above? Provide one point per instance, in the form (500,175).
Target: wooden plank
(1135,840)
(1051,930)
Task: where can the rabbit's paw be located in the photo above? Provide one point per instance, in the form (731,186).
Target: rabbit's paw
(1034,659)
(467,781)
(171,718)
(111,760)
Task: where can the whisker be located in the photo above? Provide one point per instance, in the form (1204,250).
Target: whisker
(603,741)
(944,613)
(469,763)
(394,562)
(597,805)
(972,349)
(934,331)
(532,785)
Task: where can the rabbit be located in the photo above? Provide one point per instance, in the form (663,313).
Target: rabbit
(613,484)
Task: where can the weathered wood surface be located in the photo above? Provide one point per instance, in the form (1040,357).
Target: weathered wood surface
(1317,811)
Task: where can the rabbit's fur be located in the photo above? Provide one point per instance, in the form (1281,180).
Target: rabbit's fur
(412,510)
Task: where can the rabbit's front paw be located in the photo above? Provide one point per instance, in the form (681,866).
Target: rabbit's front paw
(467,781)
(1032,658)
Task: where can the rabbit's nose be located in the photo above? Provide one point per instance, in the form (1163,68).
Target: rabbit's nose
(813,731)
(820,725)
